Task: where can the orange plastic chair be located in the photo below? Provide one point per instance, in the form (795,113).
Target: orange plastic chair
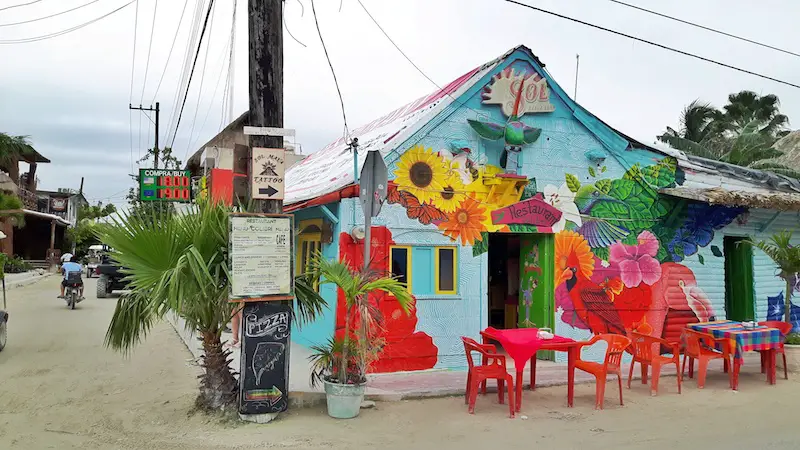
(700,347)
(493,367)
(645,350)
(785,329)
(616,347)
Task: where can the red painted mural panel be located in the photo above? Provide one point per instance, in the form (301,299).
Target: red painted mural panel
(405,349)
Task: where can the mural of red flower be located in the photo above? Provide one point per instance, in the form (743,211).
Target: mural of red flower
(466,222)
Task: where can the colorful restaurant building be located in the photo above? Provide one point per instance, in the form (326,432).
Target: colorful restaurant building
(510,205)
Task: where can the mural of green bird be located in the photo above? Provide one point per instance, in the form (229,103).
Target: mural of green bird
(597,230)
(514,132)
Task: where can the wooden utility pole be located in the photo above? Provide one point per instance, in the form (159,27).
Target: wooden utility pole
(266,80)
(157,110)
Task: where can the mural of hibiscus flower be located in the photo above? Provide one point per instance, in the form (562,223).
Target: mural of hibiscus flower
(466,222)
(561,198)
(637,263)
(421,173)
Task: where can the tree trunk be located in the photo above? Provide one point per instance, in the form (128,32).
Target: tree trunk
(787,308)
(345,343)
(218,386)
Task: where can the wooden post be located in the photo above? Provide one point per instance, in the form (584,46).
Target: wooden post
(266,80)
(52,234)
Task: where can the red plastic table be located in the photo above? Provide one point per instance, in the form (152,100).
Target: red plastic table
(521,344)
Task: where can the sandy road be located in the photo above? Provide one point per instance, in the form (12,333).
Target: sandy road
(60,388)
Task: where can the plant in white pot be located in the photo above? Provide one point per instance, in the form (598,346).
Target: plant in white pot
(342,363)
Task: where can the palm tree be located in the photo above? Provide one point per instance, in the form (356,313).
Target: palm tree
(356,285)
(12,149)
(746,107)
(177,263)
(699,121)
(787,258)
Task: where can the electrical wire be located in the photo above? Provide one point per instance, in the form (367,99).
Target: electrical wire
(202,80)
(222,66)
(171,48)
(197,20)
(133,73)
(47,17)
(225,95)
(149,48)
(21,4)
(655,44)
(191,74)
(703,27)
(333,72)
(68,30)
(286,27)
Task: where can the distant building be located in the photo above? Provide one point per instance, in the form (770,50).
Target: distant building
(226,156)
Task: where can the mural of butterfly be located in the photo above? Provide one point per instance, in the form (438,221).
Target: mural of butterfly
(423,212)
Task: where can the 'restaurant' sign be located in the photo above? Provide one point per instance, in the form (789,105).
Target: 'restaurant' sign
(268,169)
(533,211)
(261,257)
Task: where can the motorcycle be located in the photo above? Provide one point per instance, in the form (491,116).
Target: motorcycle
(72,289)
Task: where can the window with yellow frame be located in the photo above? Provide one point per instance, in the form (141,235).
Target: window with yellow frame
(446,270)
(309,243)
(400,264)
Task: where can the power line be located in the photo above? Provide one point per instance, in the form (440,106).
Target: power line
(202,80)
(191,74)
(21,4)
(133,73)
(171,47)
(333,72)
(68,30)
(149,48)
(703,27)
(681,52)
(47,17)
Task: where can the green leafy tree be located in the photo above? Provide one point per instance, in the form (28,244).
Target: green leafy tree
(345,361)
(12,150)
(84,233)
(177,264)
(746,107)
(787,258)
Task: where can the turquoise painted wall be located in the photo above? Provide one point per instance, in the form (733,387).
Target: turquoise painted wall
(321,329)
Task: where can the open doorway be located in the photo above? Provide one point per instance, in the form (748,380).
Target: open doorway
(504,280)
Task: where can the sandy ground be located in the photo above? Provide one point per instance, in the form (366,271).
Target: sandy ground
(60,388)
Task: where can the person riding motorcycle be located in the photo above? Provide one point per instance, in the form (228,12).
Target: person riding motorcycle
(71,267)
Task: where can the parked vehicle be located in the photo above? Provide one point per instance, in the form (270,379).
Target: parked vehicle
(111,279)
(94,257)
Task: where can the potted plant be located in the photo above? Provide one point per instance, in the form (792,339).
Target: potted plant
(342,363)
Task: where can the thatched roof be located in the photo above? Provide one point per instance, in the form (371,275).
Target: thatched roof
(790,146)
(778,201)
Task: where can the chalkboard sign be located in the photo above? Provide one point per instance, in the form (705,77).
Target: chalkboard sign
(264,371)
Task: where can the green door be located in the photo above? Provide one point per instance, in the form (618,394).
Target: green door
(536,290)
(739,298)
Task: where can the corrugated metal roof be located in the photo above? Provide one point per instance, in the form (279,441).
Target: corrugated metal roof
(331,168)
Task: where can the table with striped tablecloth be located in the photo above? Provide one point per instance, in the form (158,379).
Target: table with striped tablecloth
(743,339)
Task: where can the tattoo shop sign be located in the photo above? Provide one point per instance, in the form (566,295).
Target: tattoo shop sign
(267,177)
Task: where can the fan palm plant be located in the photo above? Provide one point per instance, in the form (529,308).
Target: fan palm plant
(787,258)
(335,361)
(177,263)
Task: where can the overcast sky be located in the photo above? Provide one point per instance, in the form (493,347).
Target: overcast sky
(71,93)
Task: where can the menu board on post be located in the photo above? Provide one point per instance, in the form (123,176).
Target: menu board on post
(260,255)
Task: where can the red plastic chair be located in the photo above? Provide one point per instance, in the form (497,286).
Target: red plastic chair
(493,367)
(785,329)
(645,351)
(616,347)
(700,347)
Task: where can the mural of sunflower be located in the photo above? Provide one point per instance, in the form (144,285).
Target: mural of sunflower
(466,222)
(451,195)
(422,173)
(572,250)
